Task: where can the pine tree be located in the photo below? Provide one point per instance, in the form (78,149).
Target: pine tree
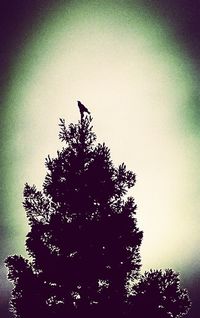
(84,242)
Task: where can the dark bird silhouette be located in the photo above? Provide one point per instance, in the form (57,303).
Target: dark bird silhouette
(82,109)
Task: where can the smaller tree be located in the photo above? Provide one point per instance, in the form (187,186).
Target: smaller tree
(158,294)
(84,241)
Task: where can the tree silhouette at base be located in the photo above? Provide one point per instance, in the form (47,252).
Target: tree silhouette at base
(84,242)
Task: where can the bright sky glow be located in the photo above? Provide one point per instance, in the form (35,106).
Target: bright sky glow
(127,68)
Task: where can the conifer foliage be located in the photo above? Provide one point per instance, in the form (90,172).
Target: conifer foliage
(84,242)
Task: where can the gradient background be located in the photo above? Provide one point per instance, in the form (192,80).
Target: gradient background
(135,64)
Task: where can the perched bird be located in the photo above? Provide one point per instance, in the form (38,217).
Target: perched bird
(82,108)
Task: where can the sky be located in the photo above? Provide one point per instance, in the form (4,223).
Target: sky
(135,65)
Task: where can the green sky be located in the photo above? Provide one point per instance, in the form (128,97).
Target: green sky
(126,64)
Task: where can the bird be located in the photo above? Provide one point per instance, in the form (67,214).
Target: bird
(82,109)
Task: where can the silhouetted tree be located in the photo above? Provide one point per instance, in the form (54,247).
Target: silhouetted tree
(84,242)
